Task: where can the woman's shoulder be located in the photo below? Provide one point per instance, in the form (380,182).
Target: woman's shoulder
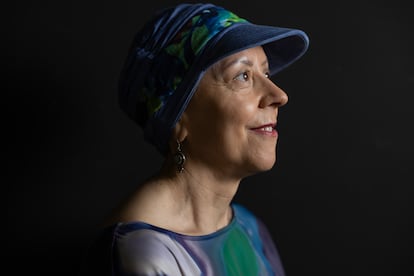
(147,248)
(141,248)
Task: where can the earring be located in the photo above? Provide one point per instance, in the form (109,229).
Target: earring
(179,158)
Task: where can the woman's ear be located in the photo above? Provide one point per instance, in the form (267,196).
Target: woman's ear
(180,130)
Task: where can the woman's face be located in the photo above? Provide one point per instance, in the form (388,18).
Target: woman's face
(231,119)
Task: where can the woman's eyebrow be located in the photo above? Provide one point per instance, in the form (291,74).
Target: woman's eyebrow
(243,60)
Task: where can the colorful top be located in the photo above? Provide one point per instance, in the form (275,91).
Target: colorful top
(244,247)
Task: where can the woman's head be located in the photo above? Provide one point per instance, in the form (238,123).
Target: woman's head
(170,55)
(230,122)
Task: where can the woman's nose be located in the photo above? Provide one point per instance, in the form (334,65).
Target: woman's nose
(273,95)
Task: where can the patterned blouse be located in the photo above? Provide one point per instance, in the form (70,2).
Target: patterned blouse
(244,247)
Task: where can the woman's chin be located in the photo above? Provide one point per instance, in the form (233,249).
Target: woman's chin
(269,165)
(263,165)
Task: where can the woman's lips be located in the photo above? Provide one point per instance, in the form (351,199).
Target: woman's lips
(268,130)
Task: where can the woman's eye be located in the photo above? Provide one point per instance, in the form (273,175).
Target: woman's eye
(242,77)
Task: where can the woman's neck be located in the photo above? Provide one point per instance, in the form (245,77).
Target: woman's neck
(202,201)
(193,202)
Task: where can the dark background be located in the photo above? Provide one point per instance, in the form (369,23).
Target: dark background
(340,198)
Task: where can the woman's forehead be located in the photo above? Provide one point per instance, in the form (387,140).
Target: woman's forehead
(249,57)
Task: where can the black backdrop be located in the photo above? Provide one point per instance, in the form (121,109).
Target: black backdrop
(339,200)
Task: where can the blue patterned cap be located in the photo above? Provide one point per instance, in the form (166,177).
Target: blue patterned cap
(170,54)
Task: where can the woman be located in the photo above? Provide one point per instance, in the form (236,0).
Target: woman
(197,81)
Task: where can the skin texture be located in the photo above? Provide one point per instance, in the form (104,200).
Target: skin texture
(224,139)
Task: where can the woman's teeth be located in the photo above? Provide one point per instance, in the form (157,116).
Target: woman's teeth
(268,129)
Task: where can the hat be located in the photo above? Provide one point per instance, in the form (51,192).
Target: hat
(171,53)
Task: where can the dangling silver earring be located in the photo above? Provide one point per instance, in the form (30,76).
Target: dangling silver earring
(179,158)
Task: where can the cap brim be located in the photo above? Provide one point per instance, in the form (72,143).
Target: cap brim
(283,46)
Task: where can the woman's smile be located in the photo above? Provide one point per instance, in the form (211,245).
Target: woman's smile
(267,130)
